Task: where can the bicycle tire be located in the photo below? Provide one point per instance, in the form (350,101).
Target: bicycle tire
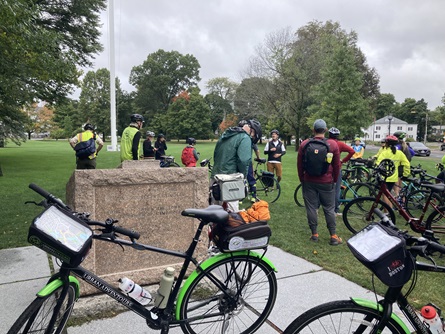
(298,196)
(268,188)
(356,212)
(358,189)
(342,316)
(37,316)
(436,221)
(415,201)
(247,277)
(359,174)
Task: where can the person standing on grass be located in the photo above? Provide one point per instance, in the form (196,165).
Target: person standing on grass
(131,137)
(160,147)
(87,161)
(318,164)
(148,149)
(274,150)
(342,147)
(189,155)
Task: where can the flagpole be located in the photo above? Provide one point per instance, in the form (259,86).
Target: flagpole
(112,79)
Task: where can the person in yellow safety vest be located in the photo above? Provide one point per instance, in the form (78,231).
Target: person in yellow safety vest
(88,160)
(131,137)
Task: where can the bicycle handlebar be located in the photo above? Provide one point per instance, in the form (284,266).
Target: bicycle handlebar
(48,196)
(125,231)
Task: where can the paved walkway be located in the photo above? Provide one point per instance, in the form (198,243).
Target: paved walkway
(301,285)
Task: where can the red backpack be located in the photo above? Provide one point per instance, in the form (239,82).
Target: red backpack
(187,157)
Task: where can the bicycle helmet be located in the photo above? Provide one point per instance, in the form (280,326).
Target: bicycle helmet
(150,134)
(400,134)
(254,124)
(161,136)
(191,141)
(334,132)
(275,131)
(137,118)
(88,126)
(392,140)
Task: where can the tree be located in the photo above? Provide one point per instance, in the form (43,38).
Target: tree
(386,105)
(162,76)
(414,112)
(40,119)
(41,43)
(219,109)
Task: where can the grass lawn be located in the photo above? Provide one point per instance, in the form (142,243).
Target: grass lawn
(50,164)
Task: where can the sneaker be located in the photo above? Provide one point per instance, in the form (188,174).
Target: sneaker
(335,240)
(314,237)
(338,214)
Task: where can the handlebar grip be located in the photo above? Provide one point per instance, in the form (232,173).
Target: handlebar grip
(437,247)
(40,191)
(129,233)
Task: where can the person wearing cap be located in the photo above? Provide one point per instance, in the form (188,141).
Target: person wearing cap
(358,148)
(90,161)
(320,190)
(233,152)
(131,137)
(274,150)
(147,147)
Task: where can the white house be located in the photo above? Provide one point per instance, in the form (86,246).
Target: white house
(388,125)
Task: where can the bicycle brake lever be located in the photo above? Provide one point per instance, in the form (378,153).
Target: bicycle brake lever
(41,203)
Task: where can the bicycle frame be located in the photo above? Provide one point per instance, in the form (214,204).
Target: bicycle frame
(394,295)
(163,317)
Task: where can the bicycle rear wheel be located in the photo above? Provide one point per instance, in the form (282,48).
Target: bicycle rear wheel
(37,318)
(359,189)
(342,316)
(358,213)
(415,201)
(298,196)
(436,221)
(267,188)
(252,289)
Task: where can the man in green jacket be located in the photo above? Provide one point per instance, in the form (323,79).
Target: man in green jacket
(131,137)
(233,151)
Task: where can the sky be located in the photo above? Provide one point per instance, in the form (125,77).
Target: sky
(404,40)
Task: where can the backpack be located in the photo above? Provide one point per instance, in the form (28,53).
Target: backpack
(85,148)
(187,156)
(314,157)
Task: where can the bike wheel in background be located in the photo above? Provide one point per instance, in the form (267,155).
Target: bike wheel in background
(267,188)
(343,316)
(252,284)
(38,315)
(298,196)
(436,223)
(358,214)
(358,189)
(415,201)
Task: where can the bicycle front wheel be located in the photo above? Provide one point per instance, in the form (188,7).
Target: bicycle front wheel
(234,295)
(47,314)
(298,196)
(268,188)
(436,221)
(355,190)
(342,316)
(415,201)
(359,213)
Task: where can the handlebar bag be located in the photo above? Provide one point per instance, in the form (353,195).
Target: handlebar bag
(231,186)
(383,251)
(61,234)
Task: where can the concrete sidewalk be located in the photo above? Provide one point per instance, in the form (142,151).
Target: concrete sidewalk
(301,285)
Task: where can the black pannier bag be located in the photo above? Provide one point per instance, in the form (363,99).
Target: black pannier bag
(267,178)
(61,234)
(383,251)
(237,235)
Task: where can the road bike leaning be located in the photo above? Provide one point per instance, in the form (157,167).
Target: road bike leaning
(233,291)
(391,255)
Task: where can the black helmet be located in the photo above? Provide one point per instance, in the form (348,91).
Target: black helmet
(137,118)
(161,136)
(400,134)
(88,126)
(334,132)
(254,124)
(150,134)
(191,141)
(275,131)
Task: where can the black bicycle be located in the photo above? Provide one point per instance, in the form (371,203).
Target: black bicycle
(267,186)
(168,161)
(233,291)
(391,255)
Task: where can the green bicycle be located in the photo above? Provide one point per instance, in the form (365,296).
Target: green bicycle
(233,291)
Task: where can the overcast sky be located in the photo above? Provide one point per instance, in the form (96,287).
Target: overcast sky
(403,39)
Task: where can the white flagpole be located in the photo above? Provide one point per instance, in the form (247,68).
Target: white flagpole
(113,146)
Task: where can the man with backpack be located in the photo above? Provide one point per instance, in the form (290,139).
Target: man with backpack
(318,164)
(189,155)
(84,143)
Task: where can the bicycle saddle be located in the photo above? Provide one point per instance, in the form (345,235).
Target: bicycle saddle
(437,188)
(212,214)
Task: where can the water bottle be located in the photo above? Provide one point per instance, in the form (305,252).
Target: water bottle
(165,287)
(135,291)
(432,319)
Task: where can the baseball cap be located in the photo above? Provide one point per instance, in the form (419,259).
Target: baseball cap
(319,124)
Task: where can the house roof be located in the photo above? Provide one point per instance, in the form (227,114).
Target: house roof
(394,120)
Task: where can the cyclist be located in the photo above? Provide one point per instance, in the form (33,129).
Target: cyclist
(343,147)
(88,162)
(382,146)
(160,147)
(131,136)
(149,151)
(275,149)
(189,155)
(398,157)
(359,150)
(409,153)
